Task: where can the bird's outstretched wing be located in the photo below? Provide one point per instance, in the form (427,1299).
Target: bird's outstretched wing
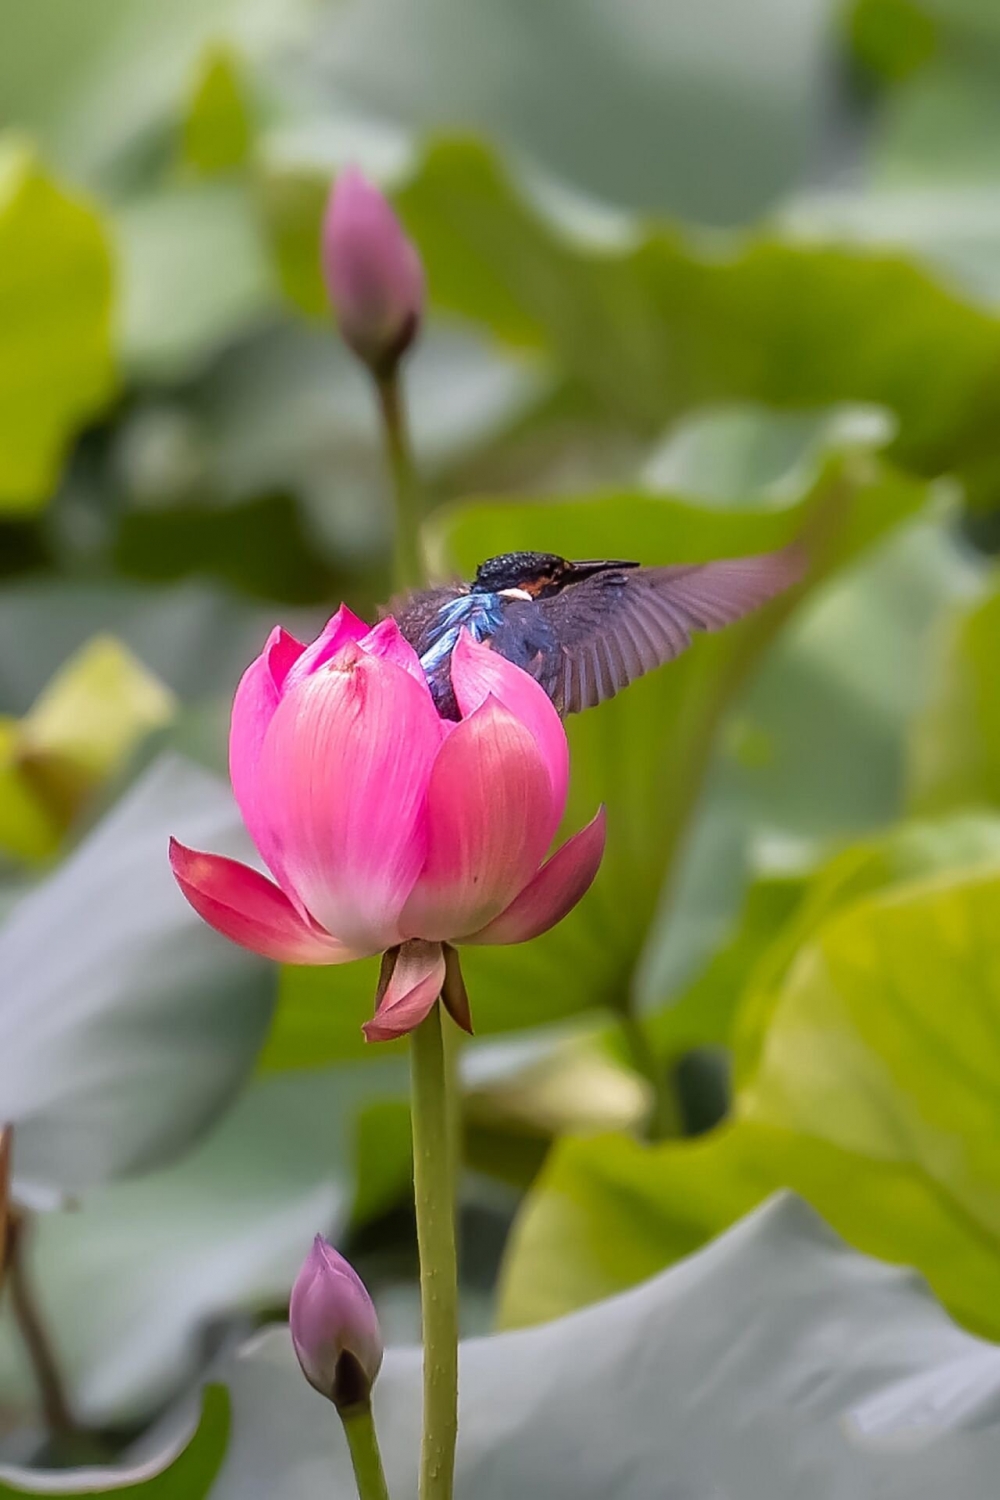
(614,626)
(416,613)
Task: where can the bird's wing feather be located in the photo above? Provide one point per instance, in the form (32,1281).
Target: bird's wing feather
(615,626)
(416,613)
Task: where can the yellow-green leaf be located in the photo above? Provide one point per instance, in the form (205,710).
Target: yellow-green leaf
(217,133)
(56,305)
(955,747)
(80,731)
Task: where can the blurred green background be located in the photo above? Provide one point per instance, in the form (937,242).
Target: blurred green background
(702,276)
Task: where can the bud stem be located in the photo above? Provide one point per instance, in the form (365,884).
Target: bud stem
(6,1212)
(434,1193)
(41,1356)
(409,565)
(359,1429)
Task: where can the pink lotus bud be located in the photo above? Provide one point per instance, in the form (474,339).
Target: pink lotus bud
(386,828)
(334,1328)
(373,272)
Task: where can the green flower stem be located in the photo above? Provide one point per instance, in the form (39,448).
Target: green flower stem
(454,1041)
(664,1117)
(434,1193)
(410,566)
(359,1429)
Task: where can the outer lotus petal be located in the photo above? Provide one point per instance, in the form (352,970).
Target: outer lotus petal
(338,631)
(561,882)
(342,775)
(477,672)
(489,821)
(454,995)
(247,908)
(257,697)
(387,642)
(282,663)
(416,982)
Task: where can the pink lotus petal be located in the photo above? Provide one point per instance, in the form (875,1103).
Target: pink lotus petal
(489,821)
(415,983)
(257,697)
(247,908)
(342,774)
(561,882)
(477,672)
(387,642)
(341,628)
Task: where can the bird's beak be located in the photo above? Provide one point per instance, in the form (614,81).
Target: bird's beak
(578,570)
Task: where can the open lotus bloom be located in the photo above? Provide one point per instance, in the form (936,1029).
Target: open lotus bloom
(388,829)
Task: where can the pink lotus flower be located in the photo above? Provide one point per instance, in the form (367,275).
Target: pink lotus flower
(373,273)
(387,828)
(334,1328)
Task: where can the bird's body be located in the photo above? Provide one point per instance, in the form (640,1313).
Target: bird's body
(585,630)
(518,633)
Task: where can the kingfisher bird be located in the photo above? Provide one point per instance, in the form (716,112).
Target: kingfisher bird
(585,630)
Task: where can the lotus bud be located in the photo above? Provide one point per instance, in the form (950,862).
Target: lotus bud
(334,1328)
(373,273)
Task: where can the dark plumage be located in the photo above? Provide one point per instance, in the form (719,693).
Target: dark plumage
(585,630)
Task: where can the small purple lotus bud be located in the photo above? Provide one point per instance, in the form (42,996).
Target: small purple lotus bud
(373,273)
(334,1328)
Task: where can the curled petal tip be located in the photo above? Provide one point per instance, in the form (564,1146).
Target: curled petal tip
(281,652)
(411,980)
(341,630)
(387,642)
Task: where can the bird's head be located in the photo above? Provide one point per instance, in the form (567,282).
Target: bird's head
(536,575)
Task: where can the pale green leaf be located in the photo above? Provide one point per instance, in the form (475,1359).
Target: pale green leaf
(126,1024)
(195,273)
(651,330)
(700,115)
(871,1088)
(132,1277)
(775,1364)
(187,1475)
